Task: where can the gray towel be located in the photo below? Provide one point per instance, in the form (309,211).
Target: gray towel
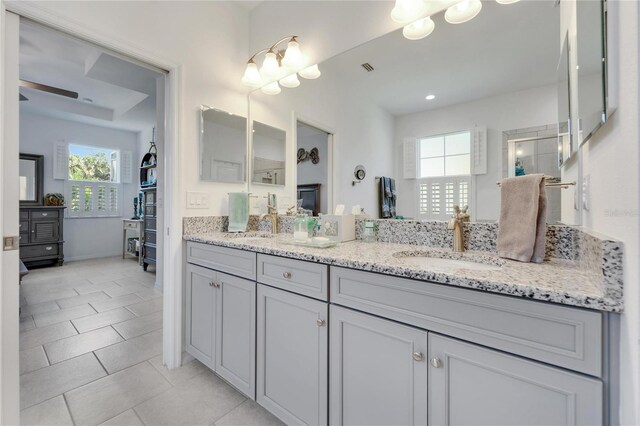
(238,211)
(523,216)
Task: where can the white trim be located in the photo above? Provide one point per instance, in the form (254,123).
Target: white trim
(172,247)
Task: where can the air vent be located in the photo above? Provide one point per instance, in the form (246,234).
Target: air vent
(367,66)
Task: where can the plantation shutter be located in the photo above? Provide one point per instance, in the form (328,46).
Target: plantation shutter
(61,161)
(410,158)
(479,151)
(438,196)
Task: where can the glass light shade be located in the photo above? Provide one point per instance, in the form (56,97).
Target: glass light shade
(406,11)
(310,72)
(290,81)
(271,89)
(419,29)
(293,56)
(462,12)
(507,1)
(252,75)
(270,68)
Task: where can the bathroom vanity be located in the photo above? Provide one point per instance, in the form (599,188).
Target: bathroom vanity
(362,333)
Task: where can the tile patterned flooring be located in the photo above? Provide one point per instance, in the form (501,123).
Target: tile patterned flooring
(91,353)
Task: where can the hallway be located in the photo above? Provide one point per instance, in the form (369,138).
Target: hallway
(91,351)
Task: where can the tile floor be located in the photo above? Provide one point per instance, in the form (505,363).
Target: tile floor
(91,353)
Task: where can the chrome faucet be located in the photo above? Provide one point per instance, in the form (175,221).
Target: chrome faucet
(272,212)
(456,224)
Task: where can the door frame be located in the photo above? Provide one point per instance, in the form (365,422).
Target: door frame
(170,269)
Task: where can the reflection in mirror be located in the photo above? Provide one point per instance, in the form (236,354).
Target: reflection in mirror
(223,146)
(31,169)
(565,139)
(463,85)
(269,154)
(312,148)
(591,67)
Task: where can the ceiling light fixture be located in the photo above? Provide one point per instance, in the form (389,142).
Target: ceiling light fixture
(463,12)
(507,1)
(419,29)
(406,11)
(279,68)
(430,97)
(415,15)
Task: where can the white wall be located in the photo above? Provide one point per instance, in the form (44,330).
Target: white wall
(309,173)
(528,108)
(85,238)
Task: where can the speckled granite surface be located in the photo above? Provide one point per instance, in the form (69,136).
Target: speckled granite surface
(558,280)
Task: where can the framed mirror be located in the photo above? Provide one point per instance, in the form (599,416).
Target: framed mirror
(591,67)
(223,146)
(565,139)
(31,179)
(269,154)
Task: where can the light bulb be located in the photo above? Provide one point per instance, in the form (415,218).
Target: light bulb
(430,97)
(310,72)
(293,56)
(270,68)
(462,12)
(406,11)
(252,75)
(419,29)
(507,1)
(271,89)
(290,81)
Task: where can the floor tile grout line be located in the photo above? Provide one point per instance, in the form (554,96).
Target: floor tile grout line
(138,415)
(64,397)
(101,365)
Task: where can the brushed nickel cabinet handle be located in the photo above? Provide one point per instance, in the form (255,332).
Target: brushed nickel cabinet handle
(418,356)
(436,362)
(45,214)
(48,248)
(212,284)
(321,322)
(287,274)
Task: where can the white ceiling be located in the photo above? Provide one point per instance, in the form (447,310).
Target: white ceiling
(113,92)
(506,48)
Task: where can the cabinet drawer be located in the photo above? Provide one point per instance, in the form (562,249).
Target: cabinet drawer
(44,250)
(232,261)
(560,335)
(23,226)
(24,214)
(150,237)
(150,223)
(44,214)
(306,278)
(132,225)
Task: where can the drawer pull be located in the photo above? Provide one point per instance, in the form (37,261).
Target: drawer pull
(44,214)
(211,284)
(418,356)
(214,284)
(20,225)
(48,248)
(436,362)
(321,322)
(287,275)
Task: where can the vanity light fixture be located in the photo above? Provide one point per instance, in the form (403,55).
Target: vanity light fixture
(279,68)
(411,13)
(430,97)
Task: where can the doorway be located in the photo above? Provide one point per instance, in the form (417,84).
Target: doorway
(313,150)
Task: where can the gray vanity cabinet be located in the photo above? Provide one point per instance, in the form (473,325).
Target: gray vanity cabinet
(379,371)
(220,325)
(292,356)
(470,384)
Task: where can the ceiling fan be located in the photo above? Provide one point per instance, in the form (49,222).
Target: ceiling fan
(48,89)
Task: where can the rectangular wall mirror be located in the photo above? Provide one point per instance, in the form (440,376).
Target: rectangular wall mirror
(223,146)
(591,67)
(269,154)
(31,179)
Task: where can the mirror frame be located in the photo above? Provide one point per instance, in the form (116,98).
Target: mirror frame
(39,197)
(245,168)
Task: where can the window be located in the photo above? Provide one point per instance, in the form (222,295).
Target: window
(94,183)
(445,155)
(444,170)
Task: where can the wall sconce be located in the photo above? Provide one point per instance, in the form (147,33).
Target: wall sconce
(279,68)
(414,15)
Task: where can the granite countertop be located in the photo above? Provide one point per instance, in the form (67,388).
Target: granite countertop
(557,281)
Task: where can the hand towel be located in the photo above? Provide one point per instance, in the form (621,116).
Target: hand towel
(238,211)
(385,208)
(523,216)
(392,197)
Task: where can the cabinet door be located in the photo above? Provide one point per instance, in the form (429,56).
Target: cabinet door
(201,308)
(292,356)
(44,231)
(236,332)
(378,371)
(469,384)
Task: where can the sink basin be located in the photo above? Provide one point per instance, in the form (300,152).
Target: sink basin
(448,261)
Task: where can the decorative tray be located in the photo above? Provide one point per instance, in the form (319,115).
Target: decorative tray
(311,243)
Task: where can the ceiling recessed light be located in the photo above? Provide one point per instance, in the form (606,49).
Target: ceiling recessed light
(430,97)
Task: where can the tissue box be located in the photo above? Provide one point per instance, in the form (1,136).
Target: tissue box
(339,227)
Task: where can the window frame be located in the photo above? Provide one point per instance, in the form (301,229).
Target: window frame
(419,156)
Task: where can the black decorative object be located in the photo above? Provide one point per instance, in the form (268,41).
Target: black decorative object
(313,155)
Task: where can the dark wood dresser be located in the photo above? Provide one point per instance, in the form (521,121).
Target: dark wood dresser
(41,235)
(148,233)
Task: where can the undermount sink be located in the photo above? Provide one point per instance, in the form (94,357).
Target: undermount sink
(448,261)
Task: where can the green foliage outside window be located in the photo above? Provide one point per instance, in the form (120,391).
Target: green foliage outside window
(94,167)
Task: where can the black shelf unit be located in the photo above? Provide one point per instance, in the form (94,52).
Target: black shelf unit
(150,210)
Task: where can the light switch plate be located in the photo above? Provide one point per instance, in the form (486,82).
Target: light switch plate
(197,200)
